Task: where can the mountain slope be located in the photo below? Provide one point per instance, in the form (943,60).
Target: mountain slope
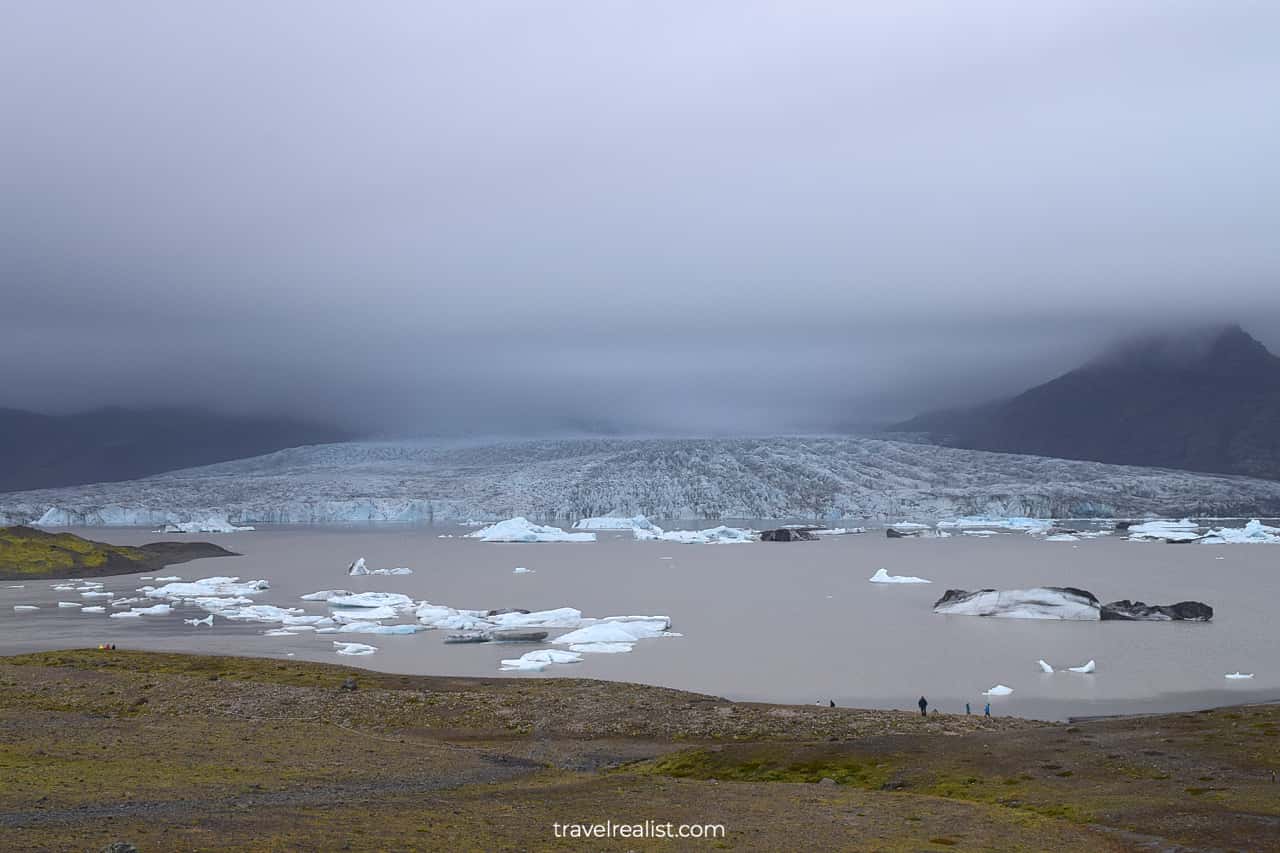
(766,478)
(46,451)
(1202,402)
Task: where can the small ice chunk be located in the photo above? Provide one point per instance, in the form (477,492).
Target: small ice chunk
(24,608)
(1085,668)
(375,628)
(326,594)
(998,690)
(608,522)
(1235,676)
(94,609)
(279,632)
(883,576)
(208,620)
(95,594)
(127,614)
(602,648)
(70,604)
(536,661)
(521,570)
(167,580)
(1044,667)
(353,648)
(372,599)
(209,524)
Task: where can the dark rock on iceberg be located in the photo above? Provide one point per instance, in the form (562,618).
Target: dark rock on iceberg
(1137,611)
(788,534)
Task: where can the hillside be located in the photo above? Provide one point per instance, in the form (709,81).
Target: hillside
(27,553)
(1205,401)
(47,451)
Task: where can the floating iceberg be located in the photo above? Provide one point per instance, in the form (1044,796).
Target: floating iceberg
(95,594)
(208,620)
(521,570)
(371,599)
(353,648)
(721,535)
(1036,603)
(375,628)
(615,631)
(214,587)
(1253,533)
(211,524)
(987,522)
(93,610)
(1235,676)
(1164,530)
(279,632)
(1084,668)
(359,568)
(24,608)
(607,522)
(173,579)
(258,613)
(126,614)
(365,614)
(998,690)
(602,648)
(70,604)
(837,531)
(883,576)
(1044,667)
(326,594)
(1062,537)
(539,660)
(520,529)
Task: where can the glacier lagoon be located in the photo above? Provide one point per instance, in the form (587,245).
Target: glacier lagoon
(778,622)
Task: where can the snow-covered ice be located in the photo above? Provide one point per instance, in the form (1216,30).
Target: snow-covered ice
(538,660)
(195,623)
(214,587)
(1236,676)
(883,576)
(1044,667)
(371,599)
(998,690)
(602,648)
(521,570)
(1165,530)
(721,535)
(1253,533)
(1085,668)
(326,594)
(604,522)
(25,608)
(209,524)
(359,568)
(520,529)
(94,609)
(70,604)
(353,648)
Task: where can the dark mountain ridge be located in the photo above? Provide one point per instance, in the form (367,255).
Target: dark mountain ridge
(40,451)
(1206,400)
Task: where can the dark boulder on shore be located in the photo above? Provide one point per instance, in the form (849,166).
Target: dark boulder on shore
(788,534)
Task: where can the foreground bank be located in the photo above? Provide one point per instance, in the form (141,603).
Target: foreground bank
(192,752)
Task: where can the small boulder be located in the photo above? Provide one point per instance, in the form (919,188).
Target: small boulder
(349,683)
(788,534)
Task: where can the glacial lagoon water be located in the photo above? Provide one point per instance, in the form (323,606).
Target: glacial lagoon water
(777,622)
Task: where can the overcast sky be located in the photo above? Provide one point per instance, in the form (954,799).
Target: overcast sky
(710,216)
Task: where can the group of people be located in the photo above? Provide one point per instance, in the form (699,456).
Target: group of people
(924,708)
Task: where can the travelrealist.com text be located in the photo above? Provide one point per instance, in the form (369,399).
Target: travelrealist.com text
(645,829)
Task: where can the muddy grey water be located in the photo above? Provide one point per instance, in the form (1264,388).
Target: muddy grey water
(778,622)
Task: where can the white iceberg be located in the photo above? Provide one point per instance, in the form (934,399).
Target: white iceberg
(1085,668)
(1165,530)
(326,594)
(520,529)
(536,661)
(602,648)
(1253,533)
(372,599)
(987,522)
(837,531)
(24,608)
(521,570)
(258,613)
(353,648)
(375,628)
(208,620)
(126,614)
(1235,676)
(1034,603)
(359,568)
(364,614)
(154,610)
(1044,667)
(214,587)
(173,579)
(721,535)
(610,631)
(210,524)
(93,609)
(1062,537)
(279,632)
(998,690)
(70,604)
(96,594)
(883,576)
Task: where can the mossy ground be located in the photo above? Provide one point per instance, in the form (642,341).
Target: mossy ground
(176,752)
(27,553)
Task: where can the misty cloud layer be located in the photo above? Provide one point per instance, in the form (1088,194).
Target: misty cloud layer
(716,216)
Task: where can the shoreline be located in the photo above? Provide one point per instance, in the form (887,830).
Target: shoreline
(173,752)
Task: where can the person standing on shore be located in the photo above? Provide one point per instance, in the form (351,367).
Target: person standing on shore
(986,712)
(924,706)
(966,709)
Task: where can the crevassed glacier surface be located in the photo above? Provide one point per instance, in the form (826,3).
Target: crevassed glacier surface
(812,478)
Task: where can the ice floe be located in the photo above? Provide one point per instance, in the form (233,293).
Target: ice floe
(195,623)
(520,529)
(1044,667)
(326,594)
(376,628)
(24,608)
(615,631)
(1084,668)
(1236,676)
(721,535)
(1253,533)
(602,648)
(538,660)
(209,524)
(371,599)
(95,594)
(521,570)
(883,576)
(364,614)
(1164,530)
(94,609)
(1034,603)
(998,690)
(359,568)
(214,587)
(353,648)
(988,522)
(126,614)
(1062,537)
(70,604)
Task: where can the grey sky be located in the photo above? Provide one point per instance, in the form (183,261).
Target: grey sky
(687,216)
